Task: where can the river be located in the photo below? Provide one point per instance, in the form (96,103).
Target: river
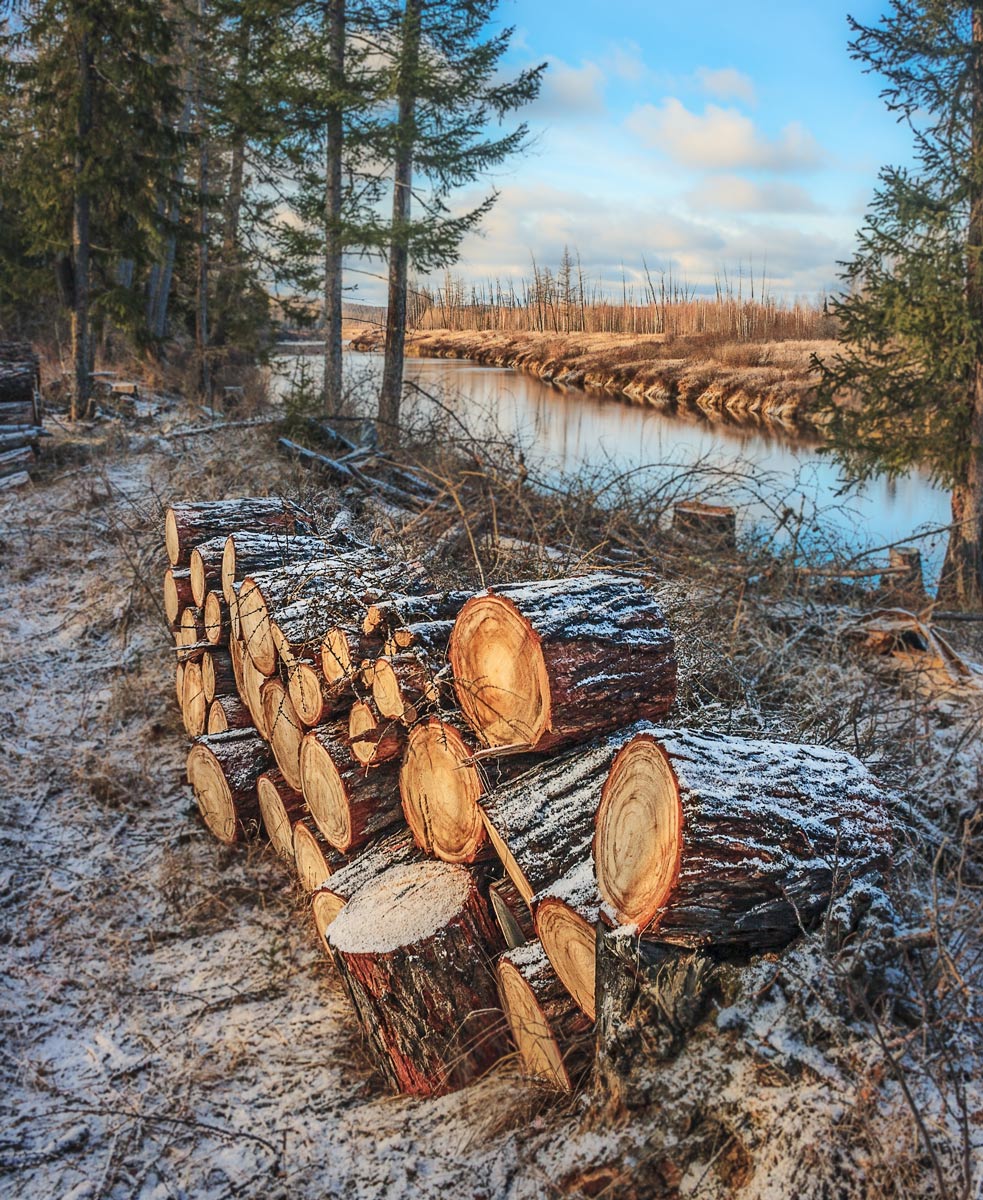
(763,472)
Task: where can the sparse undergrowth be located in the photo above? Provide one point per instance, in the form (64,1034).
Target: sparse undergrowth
(170,1026)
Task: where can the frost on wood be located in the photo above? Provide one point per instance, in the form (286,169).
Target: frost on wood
(189,523)
(414,948)
(350,802)
(548,663)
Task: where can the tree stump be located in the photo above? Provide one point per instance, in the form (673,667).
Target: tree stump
(414,949)
(549,663)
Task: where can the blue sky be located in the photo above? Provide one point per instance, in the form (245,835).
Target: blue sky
(713,137)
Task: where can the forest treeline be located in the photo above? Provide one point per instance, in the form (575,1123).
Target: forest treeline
(168,166)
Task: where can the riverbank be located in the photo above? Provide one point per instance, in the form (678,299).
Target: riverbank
(756,382)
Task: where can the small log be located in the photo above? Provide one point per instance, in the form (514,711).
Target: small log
(348,801)
(179,685)
(187,524)
(252,694)
(17,480)
(733,842)
(280,807)
(373,739)
(550,663)
(215,619)
(205,568)
(222,770)
(405,686)
(246,553)
(552,1035)
(713,525)
(314,858)
(286,730)
(218,674)
(314,698)
(566,916)
(190,635)
(16,462)
(177,593)
(343,647)
(390,849)
(228,712)
(194,706)
(413,949)
(429,637)
(511,912)
(402,609)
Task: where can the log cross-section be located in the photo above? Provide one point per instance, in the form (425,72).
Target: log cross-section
(223,769)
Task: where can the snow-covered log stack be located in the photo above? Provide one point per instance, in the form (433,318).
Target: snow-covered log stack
(20,413)
(471,786)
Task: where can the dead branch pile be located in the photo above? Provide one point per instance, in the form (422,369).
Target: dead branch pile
(473,787)
(20,413)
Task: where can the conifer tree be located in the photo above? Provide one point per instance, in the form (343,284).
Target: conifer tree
(447,92)
(906,387)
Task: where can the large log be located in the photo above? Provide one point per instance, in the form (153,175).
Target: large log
(280,808)
(177,592)
(222,770)
(285,730)
(245,553)
(315,698)
(550,1032)
(314,858)
(441,785)
(228,712)
(187,524)
(413,949)
(549,663)
(714,840)
(303,602)
(390,849)
(348,801)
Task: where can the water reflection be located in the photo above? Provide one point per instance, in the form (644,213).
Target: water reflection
(569,430)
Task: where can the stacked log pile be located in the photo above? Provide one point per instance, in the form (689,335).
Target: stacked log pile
(20,413)
(472,788)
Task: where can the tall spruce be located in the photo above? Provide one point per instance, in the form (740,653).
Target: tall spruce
(906,387)
(447,92)
(97,79)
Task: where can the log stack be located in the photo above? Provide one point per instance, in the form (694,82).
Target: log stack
(472,788)
(21,426)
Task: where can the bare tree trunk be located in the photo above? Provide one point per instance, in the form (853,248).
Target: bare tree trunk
(962,573)
(81,233)
(333,236)
(392,372)
(161,274)
(201,301)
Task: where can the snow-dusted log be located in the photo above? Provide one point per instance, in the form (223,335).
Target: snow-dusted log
(194,706)
(552,1035)
(187,524)
(511,912)
(400,610)
(177,592)
(285,730)
(222,770)
(348,801)
(373,739)
(215,619)
(405,686)
(305,601)
(715,840)
(390,849)
(314,859)
(280,807)
(551,662)
(413,948)
(228,712)
(566,916)
(427,637)
(246,553)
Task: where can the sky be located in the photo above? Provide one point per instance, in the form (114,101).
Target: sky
(707,137)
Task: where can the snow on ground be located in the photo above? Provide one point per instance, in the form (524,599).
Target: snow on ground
(170,1027)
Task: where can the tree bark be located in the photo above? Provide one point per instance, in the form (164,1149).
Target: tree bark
(349,802)
(188,524)
(413,949)
(390,395)
(222,770)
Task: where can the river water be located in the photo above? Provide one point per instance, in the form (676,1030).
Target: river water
(766,473)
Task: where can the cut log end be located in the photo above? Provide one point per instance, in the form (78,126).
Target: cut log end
(285,730)
(325,906)
(226,791)
(639,832)
(373,740)
(279,806)
(534,1039)
(499,672)
(194,706)
(311,857)
(325,792)
(569,942)
(172,539)
(216,619)
(440,790)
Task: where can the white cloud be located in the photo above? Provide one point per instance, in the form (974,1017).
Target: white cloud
(732,193)
(625,61)
(570,91)
(726,83)
(721,139)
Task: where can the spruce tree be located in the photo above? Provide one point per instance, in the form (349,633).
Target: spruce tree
(906,387)
(446,93)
